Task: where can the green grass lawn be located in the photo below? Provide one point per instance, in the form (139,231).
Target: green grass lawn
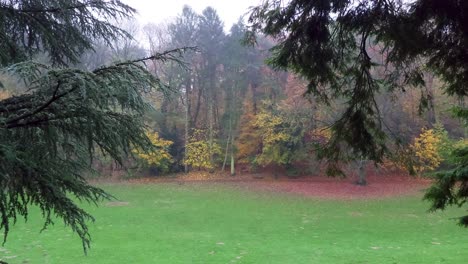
(170,223)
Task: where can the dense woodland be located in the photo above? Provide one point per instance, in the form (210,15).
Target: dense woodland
(228,110)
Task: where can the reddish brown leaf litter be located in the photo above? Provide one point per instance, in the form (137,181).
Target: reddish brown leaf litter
(332,188)
(379,186)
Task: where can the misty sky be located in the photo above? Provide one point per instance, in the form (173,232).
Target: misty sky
(157,11)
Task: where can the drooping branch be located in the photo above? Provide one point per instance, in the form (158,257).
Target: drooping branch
(57,94)
(70,113)
(62,8)
(39,109)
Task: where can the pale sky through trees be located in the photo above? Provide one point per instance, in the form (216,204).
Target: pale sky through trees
(150,11)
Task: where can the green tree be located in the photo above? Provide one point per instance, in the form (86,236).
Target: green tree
(329,43)
(49,134)
(210,43)
(235,57)
(283,133)
(184,32)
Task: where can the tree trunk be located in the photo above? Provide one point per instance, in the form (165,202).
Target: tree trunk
(233,170)
(197,109)
(187,127)
(227,144)
(361,173)
(435,114)
(461,104)
(211,120)
(231,129)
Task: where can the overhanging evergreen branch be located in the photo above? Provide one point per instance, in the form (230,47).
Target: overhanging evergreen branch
(69,115)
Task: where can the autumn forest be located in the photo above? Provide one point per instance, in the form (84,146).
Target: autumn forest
(228,110)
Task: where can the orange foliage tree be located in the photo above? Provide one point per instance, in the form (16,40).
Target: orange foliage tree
(248,142)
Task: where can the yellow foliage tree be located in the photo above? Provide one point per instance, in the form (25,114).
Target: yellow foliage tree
(273,138)
(161,158)
(269,124)
(198,151)
(426,148)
